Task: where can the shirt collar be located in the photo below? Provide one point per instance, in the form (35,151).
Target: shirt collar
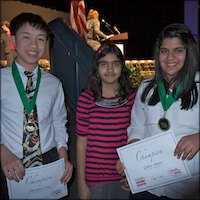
(22,70)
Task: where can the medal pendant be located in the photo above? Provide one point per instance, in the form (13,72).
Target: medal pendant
(164,124)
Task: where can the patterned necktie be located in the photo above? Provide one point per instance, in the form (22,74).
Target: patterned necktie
(32,154)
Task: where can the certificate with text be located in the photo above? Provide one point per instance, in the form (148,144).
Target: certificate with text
(150,163)
(42,182)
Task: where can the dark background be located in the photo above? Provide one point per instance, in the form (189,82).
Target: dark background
(142,19)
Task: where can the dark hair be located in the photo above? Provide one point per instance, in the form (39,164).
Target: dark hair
(94,82)
(33,19)
(188,92)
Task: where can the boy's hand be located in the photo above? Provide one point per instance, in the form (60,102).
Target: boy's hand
(11,165)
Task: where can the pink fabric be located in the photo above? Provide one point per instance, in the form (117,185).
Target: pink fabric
(12,46)
(106,129)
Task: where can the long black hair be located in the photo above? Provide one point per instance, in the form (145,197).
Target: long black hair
(188,92)
(94,82)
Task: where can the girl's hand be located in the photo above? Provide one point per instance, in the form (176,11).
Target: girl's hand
(120,168)
(187,147)
(84,191)
(125,184)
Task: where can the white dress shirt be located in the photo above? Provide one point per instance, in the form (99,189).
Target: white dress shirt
(144,123)
(52,115)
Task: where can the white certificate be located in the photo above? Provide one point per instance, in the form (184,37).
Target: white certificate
(42,182)
(150,163)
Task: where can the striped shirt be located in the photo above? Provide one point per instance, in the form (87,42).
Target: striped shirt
(106,130)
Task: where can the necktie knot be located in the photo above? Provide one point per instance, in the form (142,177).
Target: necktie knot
(29,85)
(29,74)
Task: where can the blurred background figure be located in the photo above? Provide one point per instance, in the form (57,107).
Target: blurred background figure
(9,47)
(94,34)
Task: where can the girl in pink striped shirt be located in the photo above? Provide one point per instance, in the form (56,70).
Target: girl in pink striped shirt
(102,117)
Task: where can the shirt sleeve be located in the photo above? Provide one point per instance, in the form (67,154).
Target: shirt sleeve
(60,119)
(138,118)
(82,114)
(97,29)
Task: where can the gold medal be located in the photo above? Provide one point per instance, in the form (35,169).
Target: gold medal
(164,124)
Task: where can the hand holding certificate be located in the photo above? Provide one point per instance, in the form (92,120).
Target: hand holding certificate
(41,182)
(151,163)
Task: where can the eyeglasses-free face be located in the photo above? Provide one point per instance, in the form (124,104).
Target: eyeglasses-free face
(106,64)
(172,56)
(109,69)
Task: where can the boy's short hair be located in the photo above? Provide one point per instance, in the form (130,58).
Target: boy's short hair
(30,18)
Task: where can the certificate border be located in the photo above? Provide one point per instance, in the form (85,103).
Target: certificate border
(46,167)
(136,189)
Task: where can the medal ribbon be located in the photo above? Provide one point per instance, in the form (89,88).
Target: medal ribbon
(20,87)
(167,101)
